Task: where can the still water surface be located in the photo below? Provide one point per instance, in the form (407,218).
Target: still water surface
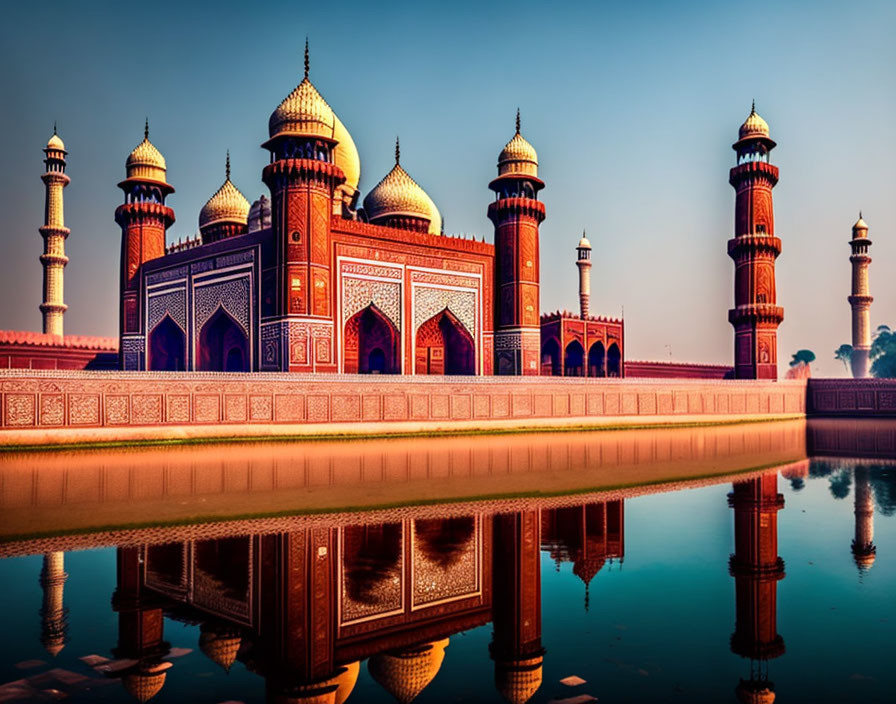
(774,584)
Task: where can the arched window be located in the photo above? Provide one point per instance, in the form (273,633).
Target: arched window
(597,360)
(550,358)
(223,345)
(167,347)
(614,361)
(574,359)
(444,346)
(371,343)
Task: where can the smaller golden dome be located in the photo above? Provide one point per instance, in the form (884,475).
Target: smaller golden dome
(398,194)
(518,156)
(146,162)
(55,142)
(754,125)
(226,205)
(404,675)
(860,224)
(584,243)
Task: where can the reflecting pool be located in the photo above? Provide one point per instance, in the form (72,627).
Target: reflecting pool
(177,575)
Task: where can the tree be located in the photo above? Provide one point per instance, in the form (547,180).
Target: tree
(844,354)
(804,356)
(883,353)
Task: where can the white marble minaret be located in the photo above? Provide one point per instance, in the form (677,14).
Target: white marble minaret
(54,233)
(861,299)
(584,263)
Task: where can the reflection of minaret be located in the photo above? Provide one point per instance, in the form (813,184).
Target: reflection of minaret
(516,647)
(756,569)
(52,611)
(863,548)
(860,300)
(140,629)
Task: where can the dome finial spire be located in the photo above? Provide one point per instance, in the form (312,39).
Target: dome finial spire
(146,129)
(517,120)
(753,108)
(227,165)
(54,126)
(307,59)
(860,210)
(397,152)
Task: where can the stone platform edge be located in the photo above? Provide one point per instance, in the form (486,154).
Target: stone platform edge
(55,408)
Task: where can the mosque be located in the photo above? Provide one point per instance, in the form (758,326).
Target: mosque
(316,279)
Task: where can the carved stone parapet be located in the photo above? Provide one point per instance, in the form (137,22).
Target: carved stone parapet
(55,177)
(54,259)
(49,230)
(284,172)
(499,210)
(757,312)
(128,213)
(754,246)
(755,171)
(861,301)
(53,307)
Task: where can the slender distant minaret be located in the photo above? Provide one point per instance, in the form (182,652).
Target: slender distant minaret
(863,549)
(584,264)
(861,299)
(52,610)
(54,233)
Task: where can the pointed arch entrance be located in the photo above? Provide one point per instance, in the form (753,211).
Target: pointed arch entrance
(614,361)
(597,360)
(550,358)
(371,343)
(167,347)
(574,359)
(223,345)
(444,346)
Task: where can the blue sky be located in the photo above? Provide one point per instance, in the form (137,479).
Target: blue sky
(632,107)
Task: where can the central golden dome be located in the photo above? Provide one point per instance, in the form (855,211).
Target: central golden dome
(398,194)
(145,161)
(227,205)
(305,113)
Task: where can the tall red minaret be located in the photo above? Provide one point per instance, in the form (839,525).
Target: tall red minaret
(143,218)
(756,568)
(516,214)
(302,177)
(755,315)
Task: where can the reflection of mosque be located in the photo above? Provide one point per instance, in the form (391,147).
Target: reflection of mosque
(302,609)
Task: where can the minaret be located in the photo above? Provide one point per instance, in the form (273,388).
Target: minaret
(756,568)
(52,611)
(860,300)
(143,218)
(755,315)
(516,573)
(584,264)
(517,214)
(54,233)
(863,548)
(302,177)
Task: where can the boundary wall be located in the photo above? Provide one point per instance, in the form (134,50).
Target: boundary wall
(851,398)
(53,408)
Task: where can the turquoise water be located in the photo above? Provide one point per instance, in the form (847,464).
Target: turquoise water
(654,623)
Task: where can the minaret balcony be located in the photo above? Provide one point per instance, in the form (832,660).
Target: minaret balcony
(756,312)
(526,207)
(755,171)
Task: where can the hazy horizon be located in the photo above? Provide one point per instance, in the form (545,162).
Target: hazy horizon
(632,108)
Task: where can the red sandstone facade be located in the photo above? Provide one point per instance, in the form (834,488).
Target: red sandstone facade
(34,350)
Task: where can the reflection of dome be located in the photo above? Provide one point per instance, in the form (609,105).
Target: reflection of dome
(220,647)
(145,682)
(404,675)
(227,205)
(754,126)
(518,681)
(145,161)
(345,681)
(753,692)
(399,195)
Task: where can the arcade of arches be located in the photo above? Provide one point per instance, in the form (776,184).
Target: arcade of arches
(573,361)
